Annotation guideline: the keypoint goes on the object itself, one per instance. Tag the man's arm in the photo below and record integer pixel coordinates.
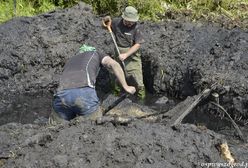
(131, 50)
(115, 66)
(138, 41)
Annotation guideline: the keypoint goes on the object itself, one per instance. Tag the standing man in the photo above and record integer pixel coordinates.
(129, 39)
(76, 94)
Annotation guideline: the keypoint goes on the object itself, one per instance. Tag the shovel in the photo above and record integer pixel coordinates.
(113, 38)
(130, 79)
(115, 103)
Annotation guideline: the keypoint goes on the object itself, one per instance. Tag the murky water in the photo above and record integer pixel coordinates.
(27, 109)
(36, 108)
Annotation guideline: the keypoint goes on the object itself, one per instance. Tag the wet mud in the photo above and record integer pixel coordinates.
(180, 59)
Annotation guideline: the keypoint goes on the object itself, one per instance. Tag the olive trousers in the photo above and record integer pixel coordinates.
(133, 68)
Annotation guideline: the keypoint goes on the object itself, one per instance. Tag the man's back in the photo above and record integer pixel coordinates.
(81, 70)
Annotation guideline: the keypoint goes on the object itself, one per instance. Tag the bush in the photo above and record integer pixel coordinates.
(148, 9)
(11, 8)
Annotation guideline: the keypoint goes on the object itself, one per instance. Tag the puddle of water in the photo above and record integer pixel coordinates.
(160, 102)
(27, 109)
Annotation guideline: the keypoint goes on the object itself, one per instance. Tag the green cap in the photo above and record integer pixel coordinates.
(130, 14)
(85, 48)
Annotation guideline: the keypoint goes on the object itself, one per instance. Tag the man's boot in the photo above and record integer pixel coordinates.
(55, 119)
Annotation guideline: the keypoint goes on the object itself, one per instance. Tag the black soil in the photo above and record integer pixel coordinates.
(180, 59)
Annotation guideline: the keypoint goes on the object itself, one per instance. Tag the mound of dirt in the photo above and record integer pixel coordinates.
(87, 145)
(180, 59)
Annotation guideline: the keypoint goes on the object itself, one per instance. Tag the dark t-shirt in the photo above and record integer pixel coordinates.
(126, 36)
(81, 70)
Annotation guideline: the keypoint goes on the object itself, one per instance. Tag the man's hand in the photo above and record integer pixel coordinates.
(123, 56)
(116, 67)
(130, 89)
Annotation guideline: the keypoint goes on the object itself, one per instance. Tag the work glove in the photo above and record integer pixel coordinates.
(107, 21)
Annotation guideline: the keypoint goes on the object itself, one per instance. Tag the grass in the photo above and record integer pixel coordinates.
(23, 8)
(231, 11)
(234, 10)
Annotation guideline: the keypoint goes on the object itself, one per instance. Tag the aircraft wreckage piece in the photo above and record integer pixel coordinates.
(184, 108)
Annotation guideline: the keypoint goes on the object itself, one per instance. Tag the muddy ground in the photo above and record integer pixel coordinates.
(180, 59)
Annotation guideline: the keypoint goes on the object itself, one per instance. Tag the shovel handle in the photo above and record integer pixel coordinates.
(115, 103)
(108, 25)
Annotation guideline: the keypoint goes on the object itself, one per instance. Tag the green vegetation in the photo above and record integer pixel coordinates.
(11, 8)
(236, 10)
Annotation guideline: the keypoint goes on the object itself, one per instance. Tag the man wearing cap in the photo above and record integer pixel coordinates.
(129, 39)
(76, 94)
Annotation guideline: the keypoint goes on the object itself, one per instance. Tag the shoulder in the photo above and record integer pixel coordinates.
(116, 21)
(137, 26)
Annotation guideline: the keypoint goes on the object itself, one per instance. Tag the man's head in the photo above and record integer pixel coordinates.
(130, 16)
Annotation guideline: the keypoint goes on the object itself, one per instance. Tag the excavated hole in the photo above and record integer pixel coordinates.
(35, 108)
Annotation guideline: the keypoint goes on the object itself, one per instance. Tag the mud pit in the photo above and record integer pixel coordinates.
(180, 59)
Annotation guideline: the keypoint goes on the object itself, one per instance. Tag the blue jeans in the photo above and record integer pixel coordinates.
(70, 103)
